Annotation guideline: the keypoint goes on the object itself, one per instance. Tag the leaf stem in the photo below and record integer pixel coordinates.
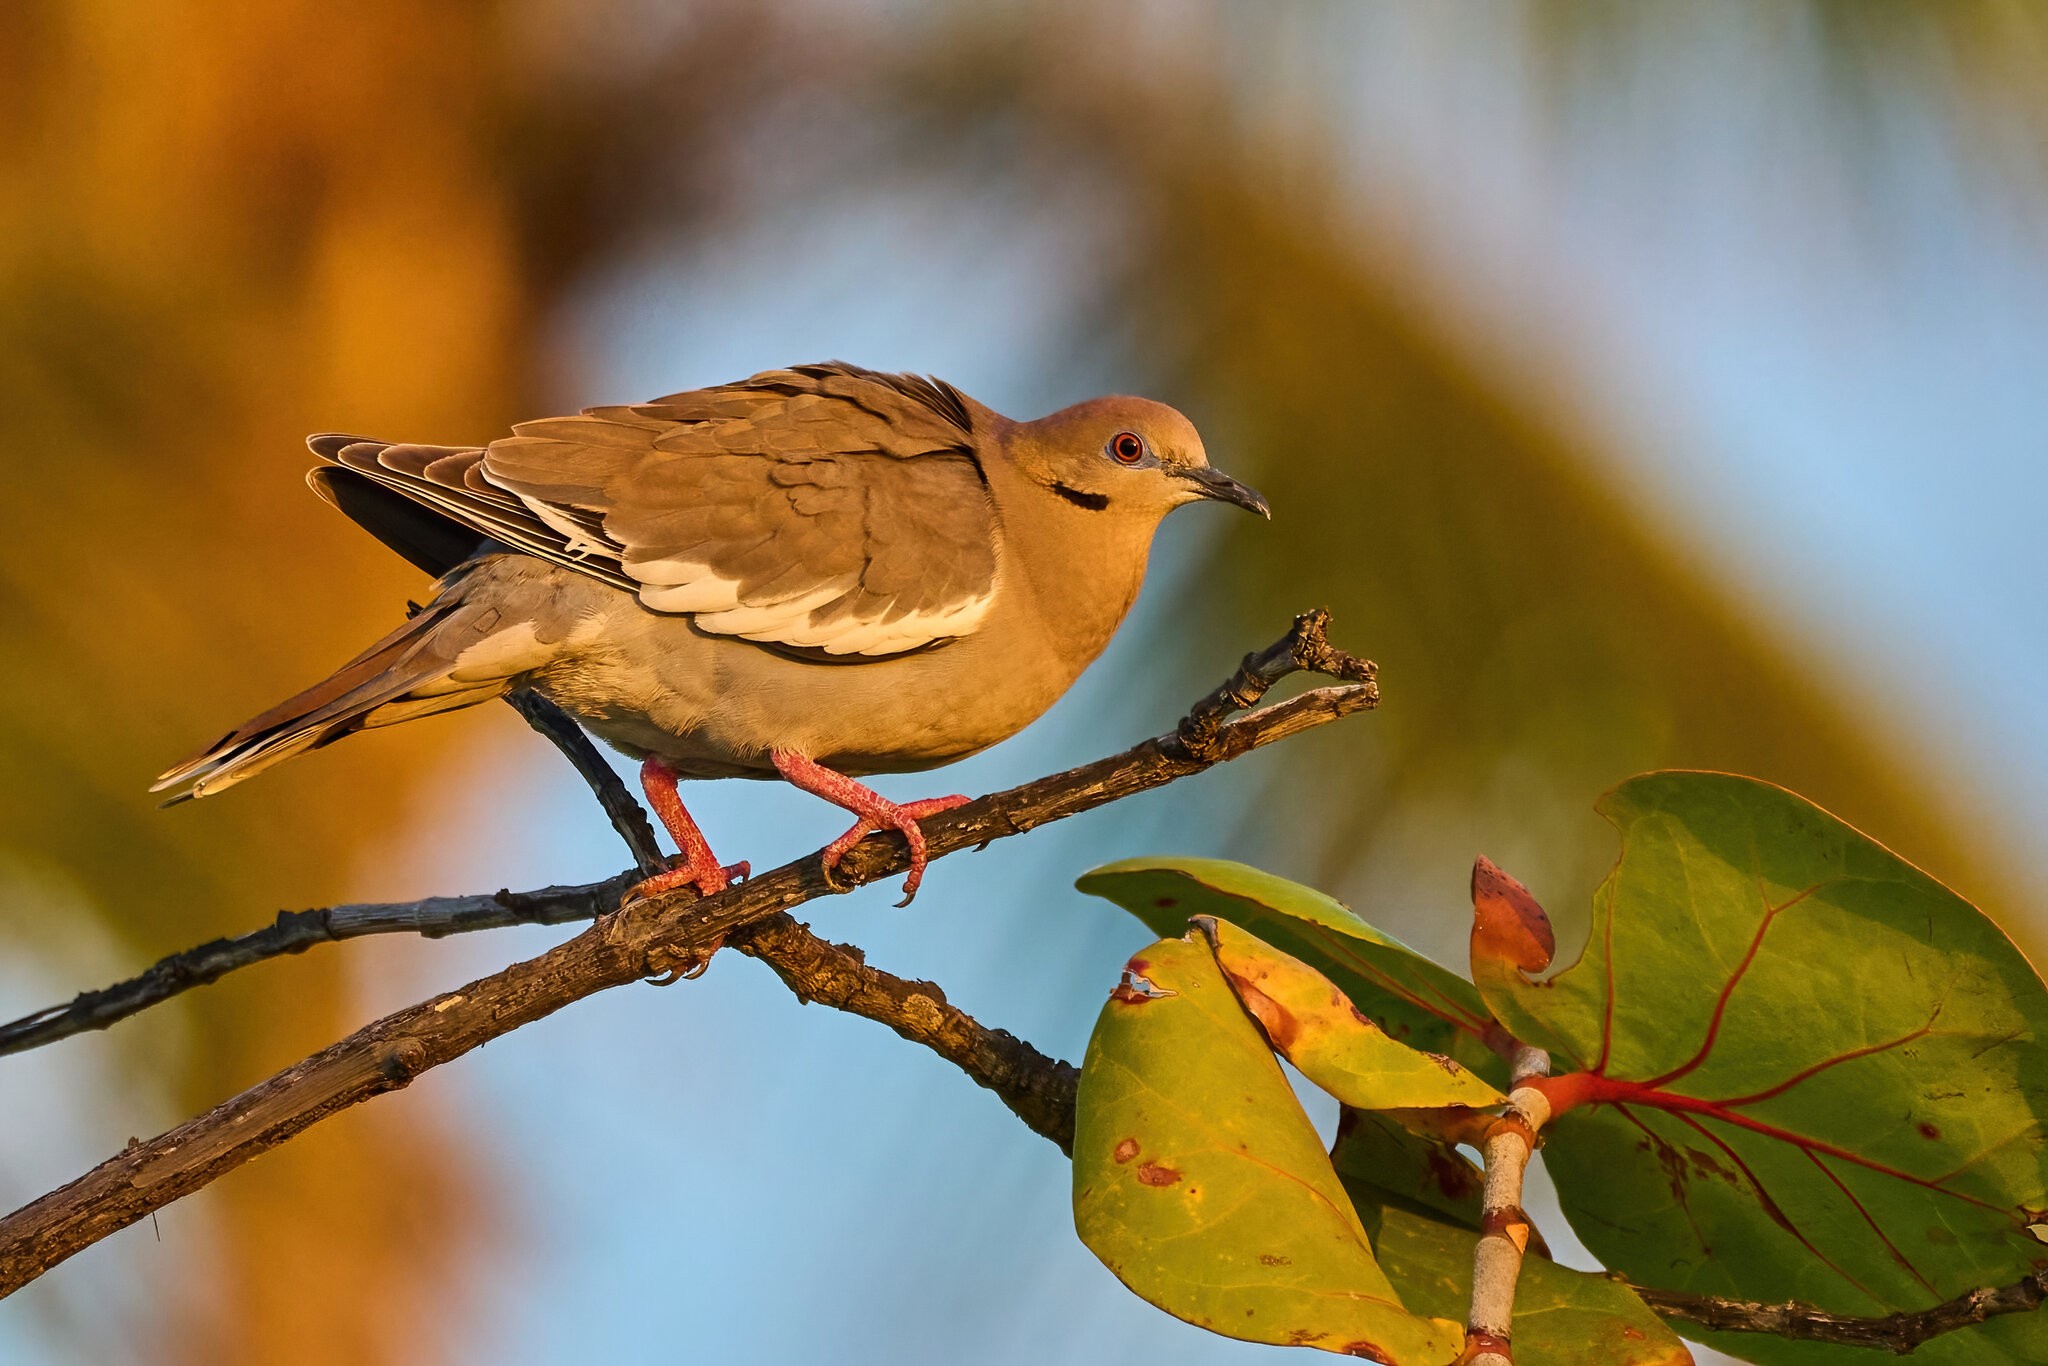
(1504, 1229)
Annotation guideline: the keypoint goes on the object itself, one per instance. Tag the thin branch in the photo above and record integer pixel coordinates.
(627, 816)
(1304, 649)
(1039, 1090)
(1504, 1229)
(647, 938)
(1898, 1333)
(297, 931)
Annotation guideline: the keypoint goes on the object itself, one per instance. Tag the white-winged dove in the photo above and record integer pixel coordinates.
(819, 572)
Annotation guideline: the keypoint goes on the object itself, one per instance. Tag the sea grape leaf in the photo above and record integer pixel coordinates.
(1420, 1202)
(1562, 1317)
(1811, 1072)
(1310, 1023)
(1200, 1183)
(1382, 1163)
(1418, 1002)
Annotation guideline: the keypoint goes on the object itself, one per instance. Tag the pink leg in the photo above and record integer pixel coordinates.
(697, 864)
(875, 812)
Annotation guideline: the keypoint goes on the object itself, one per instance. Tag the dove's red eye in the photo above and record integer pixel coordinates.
(1127, 447)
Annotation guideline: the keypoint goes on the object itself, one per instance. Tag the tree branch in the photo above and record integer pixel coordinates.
(434, 917)
(1039, 1090)
(647, 938)
(1898, 1333)
(1504, 1229)
(1305, 648)
(627, 816)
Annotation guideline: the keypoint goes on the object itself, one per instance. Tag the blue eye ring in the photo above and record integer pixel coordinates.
(1126, 448)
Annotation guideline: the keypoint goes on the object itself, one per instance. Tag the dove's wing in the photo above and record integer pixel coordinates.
(825, 508)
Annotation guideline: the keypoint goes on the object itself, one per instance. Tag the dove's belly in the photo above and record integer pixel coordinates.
(713, 706)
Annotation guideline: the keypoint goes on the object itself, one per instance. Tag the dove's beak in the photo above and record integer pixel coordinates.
(1220, 486)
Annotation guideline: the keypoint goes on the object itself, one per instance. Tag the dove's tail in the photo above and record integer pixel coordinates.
(450, 654)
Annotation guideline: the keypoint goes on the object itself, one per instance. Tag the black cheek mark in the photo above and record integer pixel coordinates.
(1094, 502)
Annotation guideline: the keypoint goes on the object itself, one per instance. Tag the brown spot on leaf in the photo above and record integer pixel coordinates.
(1371, 1351)
(1455, 1178)
(1167, 903)
(1281, 1027)
(1126, 1150)
(1928, 1130)
(1153, 1174)
(1631, 1332)
(1704, 1164)
(1274, 1259)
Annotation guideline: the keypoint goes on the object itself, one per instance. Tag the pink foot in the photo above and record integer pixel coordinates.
(874, 812)
(887, 815)
(694, 865)
(707, 880)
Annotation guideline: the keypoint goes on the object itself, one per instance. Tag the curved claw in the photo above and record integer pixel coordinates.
(671, 966)
(872, 810)
(709, 880)
(887, 815)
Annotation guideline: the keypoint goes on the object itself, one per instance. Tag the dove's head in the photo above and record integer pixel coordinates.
(1129, 457)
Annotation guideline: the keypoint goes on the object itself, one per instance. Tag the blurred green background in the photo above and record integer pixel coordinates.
(1640, 385)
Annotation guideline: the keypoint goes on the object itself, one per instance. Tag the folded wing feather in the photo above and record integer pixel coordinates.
(826, 508)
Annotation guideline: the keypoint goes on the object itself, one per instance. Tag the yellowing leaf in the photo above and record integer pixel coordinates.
(1562, 1317)
(1317, 1029)
(1419, 1002)
(1200, 1183)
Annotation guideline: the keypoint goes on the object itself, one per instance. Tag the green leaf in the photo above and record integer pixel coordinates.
(1200, 1183)
(1562, 1317)
(1415, 1000)
(1311, 1023)
(1381, 1162)
(1814, 1072)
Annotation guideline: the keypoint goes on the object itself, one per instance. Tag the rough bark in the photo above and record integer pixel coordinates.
(651, 938)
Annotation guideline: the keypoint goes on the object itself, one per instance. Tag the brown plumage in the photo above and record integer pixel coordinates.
(815, 572)
(825, 508)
